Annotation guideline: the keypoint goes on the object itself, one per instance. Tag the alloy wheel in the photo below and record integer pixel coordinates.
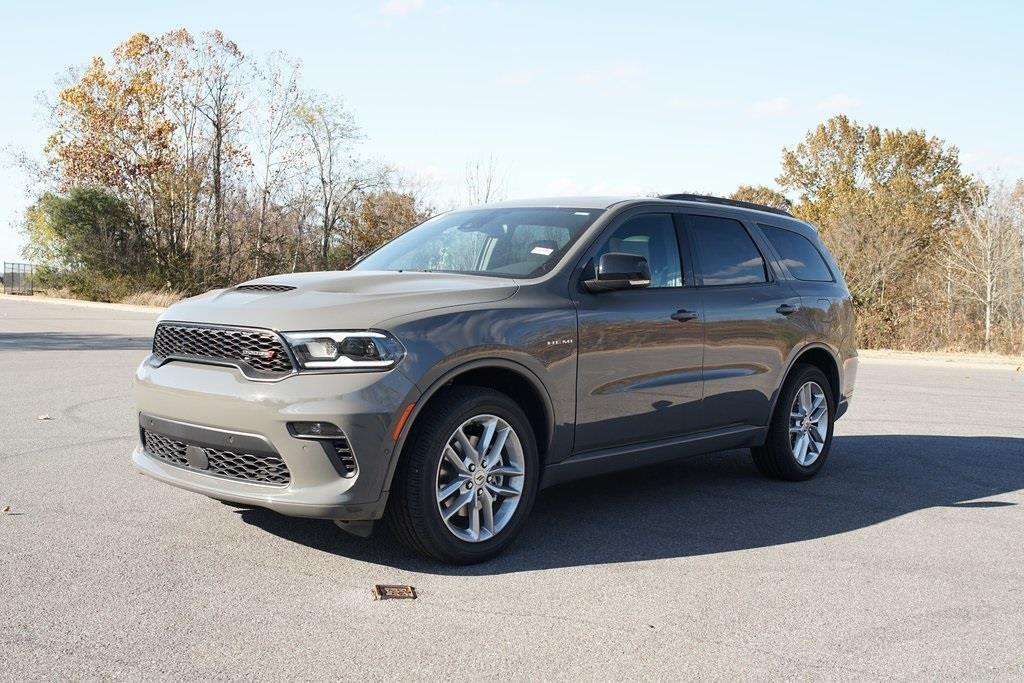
(480, 478)
(808, 424)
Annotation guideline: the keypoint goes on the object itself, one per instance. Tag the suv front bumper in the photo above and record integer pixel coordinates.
(215, 406)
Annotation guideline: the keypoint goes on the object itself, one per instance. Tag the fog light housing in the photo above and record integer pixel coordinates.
(314, 430)
(333, 442)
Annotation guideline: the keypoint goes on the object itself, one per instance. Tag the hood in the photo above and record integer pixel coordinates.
(340, 300)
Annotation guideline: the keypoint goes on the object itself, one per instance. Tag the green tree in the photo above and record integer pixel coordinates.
(89, 242)
(87, 228)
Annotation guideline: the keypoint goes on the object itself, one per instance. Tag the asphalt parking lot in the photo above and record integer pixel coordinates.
(904, 559)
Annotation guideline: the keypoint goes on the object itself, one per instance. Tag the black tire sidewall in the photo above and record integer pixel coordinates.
(782, 452)
(432, 435)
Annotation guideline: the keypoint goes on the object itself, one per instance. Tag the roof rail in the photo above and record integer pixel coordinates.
(708, 199)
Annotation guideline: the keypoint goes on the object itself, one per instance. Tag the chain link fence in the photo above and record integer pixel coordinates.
(18, 278)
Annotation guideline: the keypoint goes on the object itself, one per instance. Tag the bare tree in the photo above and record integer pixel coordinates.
(274, 132)
(485, 182)
(220, 71)
(1017, 200)
(328, 132)
(981, 249)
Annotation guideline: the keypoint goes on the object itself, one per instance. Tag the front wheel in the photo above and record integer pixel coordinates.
(800, 432)
(467, 478)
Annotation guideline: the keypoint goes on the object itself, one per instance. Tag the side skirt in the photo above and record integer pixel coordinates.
(620, 458)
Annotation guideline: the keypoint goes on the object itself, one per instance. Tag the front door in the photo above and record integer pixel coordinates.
(640, 350)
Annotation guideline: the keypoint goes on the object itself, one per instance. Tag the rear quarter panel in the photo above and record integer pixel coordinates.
(828, 311)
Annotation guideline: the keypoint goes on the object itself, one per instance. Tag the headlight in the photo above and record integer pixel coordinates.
(344, 350)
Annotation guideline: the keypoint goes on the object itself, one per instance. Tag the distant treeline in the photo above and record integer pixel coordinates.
(934, 257)
(182, 164)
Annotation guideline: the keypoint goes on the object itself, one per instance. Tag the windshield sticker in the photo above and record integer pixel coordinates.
(541, 251)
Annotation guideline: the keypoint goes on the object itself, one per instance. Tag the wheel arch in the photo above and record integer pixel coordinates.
(506, 376)
(821, 357)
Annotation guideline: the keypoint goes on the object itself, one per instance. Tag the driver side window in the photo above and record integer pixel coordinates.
(653, 236)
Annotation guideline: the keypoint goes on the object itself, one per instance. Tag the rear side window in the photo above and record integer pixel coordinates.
(726, 253)
(799, 255)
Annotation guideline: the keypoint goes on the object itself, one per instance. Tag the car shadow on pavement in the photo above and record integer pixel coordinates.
(70, 341)
(716, 503)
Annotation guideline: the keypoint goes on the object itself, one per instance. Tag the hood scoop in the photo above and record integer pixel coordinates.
(264, 288)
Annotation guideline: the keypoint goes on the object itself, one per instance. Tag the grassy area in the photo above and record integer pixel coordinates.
(162, 298)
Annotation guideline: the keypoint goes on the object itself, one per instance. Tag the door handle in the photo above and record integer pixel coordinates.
(788, 309)
(682, 315)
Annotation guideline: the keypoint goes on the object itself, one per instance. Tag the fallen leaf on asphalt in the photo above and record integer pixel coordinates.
(44, 417)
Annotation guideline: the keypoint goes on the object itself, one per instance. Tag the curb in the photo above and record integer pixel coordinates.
(884, 356)
(82, 303)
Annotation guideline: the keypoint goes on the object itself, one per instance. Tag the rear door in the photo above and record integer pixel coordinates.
(810, 274)
(751, 321)
(639, 363)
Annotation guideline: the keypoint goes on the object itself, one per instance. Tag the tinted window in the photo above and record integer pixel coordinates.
(522, 242)
(652, 236)
(801, 257)
(727, 254)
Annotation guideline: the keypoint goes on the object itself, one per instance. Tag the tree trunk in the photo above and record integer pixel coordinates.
(988, 314)
(218, 199)
(1021, 349)
(325, 243)
(298, 241)
(259, 228)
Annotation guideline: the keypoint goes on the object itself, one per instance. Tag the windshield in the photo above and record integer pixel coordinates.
(520, 242)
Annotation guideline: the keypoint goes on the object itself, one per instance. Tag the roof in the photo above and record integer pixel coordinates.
(559, 202)
(723, 201)
(604, 202)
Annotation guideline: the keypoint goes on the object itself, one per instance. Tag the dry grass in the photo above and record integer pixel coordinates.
(163, 298)
(160, 299)
(57, 293)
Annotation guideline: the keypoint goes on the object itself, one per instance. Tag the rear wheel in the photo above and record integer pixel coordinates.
(468, 477)
(800, 432)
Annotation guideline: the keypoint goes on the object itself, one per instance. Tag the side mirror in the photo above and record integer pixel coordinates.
(619, 271)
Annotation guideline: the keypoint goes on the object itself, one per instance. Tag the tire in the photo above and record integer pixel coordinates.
(416, 510)
(779, 457)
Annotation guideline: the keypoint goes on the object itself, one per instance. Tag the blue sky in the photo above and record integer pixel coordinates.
(579, 97)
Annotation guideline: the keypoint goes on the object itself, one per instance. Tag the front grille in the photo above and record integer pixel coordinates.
(261, 468)
(260, 350)
(264, 288)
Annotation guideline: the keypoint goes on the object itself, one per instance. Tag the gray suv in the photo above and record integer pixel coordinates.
(493, 351)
